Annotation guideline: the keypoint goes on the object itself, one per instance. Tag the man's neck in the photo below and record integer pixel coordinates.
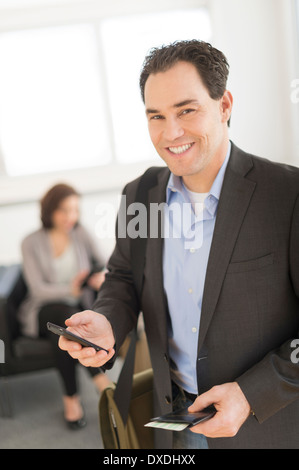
(202, 181)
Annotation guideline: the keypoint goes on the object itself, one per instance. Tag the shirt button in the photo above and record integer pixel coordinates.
(194, 329)
(192, 250)
(190, 290)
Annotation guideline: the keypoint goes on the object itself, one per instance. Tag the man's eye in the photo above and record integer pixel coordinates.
(187, 111)
(156, 117)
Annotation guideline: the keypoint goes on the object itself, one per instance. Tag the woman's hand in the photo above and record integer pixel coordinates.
(96, 280)
(76, 284)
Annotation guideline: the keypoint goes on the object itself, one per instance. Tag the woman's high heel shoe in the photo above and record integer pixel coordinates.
(78, 424)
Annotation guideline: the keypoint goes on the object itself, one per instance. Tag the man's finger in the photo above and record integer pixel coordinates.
(69, 346)
(95, 359)
(80, 318)
(202, 401)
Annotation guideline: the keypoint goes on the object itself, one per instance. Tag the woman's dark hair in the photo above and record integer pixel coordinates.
(51, 200)
(210, 63)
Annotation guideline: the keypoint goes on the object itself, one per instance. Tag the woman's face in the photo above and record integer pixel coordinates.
(66, 215)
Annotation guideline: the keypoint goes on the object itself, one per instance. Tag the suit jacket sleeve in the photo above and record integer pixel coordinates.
(273, 383)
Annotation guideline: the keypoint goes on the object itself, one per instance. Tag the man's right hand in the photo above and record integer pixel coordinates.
(94, 327)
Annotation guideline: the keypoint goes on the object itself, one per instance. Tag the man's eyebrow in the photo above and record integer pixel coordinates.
(185, 102)
(177, 105)
(152, 111)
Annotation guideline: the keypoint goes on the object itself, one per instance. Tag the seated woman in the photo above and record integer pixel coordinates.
(56, 260)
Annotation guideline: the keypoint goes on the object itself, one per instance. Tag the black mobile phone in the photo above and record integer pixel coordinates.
(184, 416)
(59, 330)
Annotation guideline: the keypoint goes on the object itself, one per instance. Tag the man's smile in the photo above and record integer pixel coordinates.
(178, 150)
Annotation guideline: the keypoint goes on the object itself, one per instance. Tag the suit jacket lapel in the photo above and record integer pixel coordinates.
(157, 195)
(233, 203)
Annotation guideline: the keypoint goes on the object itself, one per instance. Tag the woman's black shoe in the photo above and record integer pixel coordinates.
(78, 424)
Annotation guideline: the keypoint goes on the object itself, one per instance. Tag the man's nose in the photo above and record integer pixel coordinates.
(172, 130)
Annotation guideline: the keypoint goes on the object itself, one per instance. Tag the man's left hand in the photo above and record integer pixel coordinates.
(232, 410)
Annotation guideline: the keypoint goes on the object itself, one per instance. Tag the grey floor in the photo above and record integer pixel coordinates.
(37, 421)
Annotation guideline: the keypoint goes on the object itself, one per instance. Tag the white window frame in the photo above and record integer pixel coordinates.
(296, 8)
(41, 13)
(293, 41)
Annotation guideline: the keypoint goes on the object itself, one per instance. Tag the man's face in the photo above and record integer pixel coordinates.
(186, 126)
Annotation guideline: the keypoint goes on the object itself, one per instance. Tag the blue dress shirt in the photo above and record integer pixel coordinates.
(187, 242)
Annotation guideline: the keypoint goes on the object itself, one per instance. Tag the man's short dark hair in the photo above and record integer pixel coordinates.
(210, 63)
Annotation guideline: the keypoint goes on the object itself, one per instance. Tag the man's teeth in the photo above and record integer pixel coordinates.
(178, 150)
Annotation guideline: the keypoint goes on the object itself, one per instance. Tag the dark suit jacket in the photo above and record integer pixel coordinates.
(250, 310)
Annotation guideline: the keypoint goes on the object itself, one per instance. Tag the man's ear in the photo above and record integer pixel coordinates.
(226, 105)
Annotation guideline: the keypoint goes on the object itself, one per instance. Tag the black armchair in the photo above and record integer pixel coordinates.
(21, 354)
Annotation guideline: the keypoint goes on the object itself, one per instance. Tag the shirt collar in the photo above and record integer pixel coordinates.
(175, 183)
(218, 181)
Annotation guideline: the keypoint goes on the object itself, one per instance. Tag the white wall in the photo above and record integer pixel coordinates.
(259, 40)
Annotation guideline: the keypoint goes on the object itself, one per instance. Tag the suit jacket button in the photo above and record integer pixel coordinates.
(168, 399)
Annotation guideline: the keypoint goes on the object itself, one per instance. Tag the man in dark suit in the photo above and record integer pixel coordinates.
(221, 316)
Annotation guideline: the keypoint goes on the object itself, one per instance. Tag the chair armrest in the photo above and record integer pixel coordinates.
(9, 276)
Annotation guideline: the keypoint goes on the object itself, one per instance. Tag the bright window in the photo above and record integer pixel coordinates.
(69, 95)
(51, 101)
(126, 41)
